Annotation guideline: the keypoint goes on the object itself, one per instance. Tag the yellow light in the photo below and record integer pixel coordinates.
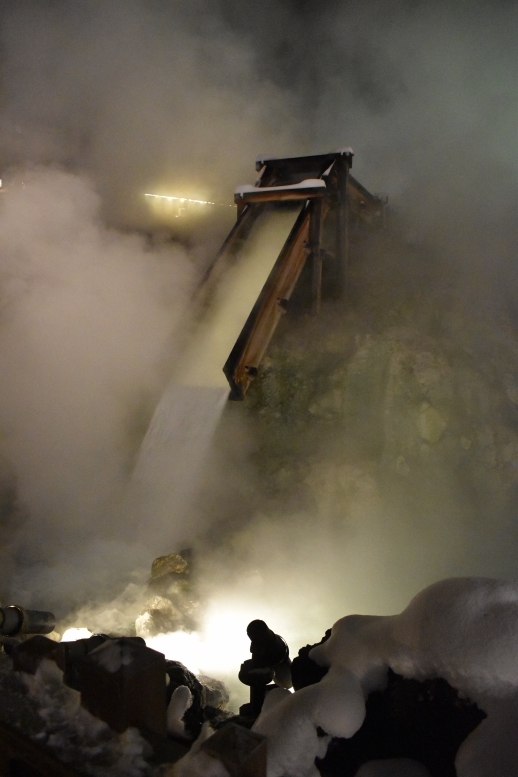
(217, 649)
(71, 635)
(170, 198)
(180, 199)
(221, 644)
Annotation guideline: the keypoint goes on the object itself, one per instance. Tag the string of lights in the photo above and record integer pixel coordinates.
(170, 198)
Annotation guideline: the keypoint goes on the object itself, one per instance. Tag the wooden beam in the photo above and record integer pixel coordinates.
(315, 231)
(244, 360)
(279, 194)
(342, 230)
(301, 164)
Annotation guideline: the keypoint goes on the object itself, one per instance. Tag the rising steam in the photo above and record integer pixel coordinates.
(308, 517)
(86, 340)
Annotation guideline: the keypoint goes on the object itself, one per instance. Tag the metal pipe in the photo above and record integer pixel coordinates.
(16, 620)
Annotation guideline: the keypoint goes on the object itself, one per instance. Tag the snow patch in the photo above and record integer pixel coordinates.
(308, 183)
(290, 721)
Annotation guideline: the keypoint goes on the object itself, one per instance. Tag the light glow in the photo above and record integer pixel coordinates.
(70, 635)
(221, 645)
(218, 649)
(170, 198)
(179, 199)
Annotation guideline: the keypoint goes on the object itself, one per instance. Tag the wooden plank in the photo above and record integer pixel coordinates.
(315, 230)
(243, 362)
(294, 169)
(342, 194)
(342, 232)
(281, 195)
(298, 163)
(365, 206)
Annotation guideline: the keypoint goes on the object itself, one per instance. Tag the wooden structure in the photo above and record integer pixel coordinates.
(329, 198)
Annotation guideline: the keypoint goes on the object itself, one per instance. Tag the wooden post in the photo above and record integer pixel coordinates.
(123, 683)
(315, 230)
(342, 236)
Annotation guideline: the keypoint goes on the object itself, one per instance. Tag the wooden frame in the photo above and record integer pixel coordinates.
(326, 186)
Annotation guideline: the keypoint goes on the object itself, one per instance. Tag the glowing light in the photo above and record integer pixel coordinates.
(170, 198)
(218, 649)
(180, 199)
(187, 648)
(221, 645)
(71, 635)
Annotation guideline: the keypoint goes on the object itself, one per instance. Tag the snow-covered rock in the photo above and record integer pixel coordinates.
(290, 721)
(180, 701)
(464, 630)
(197, 763)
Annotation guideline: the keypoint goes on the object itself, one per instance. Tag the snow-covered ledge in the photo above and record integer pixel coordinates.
(308, 183)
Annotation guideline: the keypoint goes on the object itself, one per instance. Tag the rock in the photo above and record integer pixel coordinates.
(511, 389)
(209, 697)
(328, 405)
(160, 616)
(174, 563)
(28, 655)
(305, 671)
(174, 606)
(214, 693)
(393, 767)
(425, 721)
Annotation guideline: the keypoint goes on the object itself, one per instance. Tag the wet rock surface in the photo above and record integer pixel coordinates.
(397, 407)
(174, 604)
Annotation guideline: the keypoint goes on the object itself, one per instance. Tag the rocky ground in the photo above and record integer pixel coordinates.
(399, 402)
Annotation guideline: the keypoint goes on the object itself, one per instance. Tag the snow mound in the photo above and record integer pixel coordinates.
(290, 720)
(463, 629)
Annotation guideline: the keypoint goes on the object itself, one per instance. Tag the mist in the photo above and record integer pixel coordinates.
(87, 337)
(103, 102)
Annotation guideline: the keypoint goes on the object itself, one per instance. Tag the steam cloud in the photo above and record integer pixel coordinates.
(134, 96)
(87, 321)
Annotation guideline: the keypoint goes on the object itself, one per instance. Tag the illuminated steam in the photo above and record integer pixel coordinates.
(313, 504)
(86, 339)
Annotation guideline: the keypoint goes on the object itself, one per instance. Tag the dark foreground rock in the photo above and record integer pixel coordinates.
(426, 721)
